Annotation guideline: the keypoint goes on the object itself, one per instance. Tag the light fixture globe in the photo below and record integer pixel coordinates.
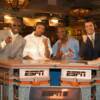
(80, 12)
(17, 4)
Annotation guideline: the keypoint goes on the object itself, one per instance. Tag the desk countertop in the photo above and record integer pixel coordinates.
(17, 64)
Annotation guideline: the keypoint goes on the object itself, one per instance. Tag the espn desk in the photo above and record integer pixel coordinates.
(48, 80)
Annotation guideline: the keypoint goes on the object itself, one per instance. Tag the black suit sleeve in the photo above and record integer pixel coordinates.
(83, 48)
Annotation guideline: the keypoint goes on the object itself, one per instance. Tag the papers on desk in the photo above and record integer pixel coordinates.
(94, 62)
(77, 64)
(83, 62)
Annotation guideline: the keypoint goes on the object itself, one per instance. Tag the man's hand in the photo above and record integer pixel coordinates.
(68, 54)
(45, 41)
(27, 58)
(8, 40)
(59, 52)
(59, 44)
(47, 51)
(84, 38)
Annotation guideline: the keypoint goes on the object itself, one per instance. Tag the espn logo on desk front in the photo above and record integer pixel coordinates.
(34, 74)
(76, 74)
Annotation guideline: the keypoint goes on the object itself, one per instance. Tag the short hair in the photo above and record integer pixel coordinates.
(65, 31)
(61, 26)
(89, 20)
(17, 19)
(40, 23)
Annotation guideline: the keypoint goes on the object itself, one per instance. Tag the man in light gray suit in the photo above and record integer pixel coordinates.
(11, 47)
(11, 42)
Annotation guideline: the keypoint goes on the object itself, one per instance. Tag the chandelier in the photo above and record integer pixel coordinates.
(81, 8)
(17, 4)
(80, 12)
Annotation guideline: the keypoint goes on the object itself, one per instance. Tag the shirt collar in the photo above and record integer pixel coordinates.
(92, 35)
(33, 34)
(13, 35)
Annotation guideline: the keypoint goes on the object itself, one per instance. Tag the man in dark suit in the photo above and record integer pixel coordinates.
(11, 42)
(90, 46)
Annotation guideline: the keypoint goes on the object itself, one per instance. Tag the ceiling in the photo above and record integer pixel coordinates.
(61, 7)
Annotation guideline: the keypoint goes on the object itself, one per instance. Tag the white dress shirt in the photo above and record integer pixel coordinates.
(34, 47)
(91, 37)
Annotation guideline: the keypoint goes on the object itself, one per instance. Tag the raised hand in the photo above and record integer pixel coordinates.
(84, 38)
(69, 54)
(8, 39)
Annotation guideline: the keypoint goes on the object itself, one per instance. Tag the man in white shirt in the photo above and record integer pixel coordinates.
(11, 42)
(37, 45)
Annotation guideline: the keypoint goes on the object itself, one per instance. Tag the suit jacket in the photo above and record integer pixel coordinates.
(13, 50)
(87, 51)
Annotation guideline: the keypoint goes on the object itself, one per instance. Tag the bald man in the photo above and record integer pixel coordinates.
(11, 42)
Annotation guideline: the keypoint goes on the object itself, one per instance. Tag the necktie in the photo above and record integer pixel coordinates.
(92, 40)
